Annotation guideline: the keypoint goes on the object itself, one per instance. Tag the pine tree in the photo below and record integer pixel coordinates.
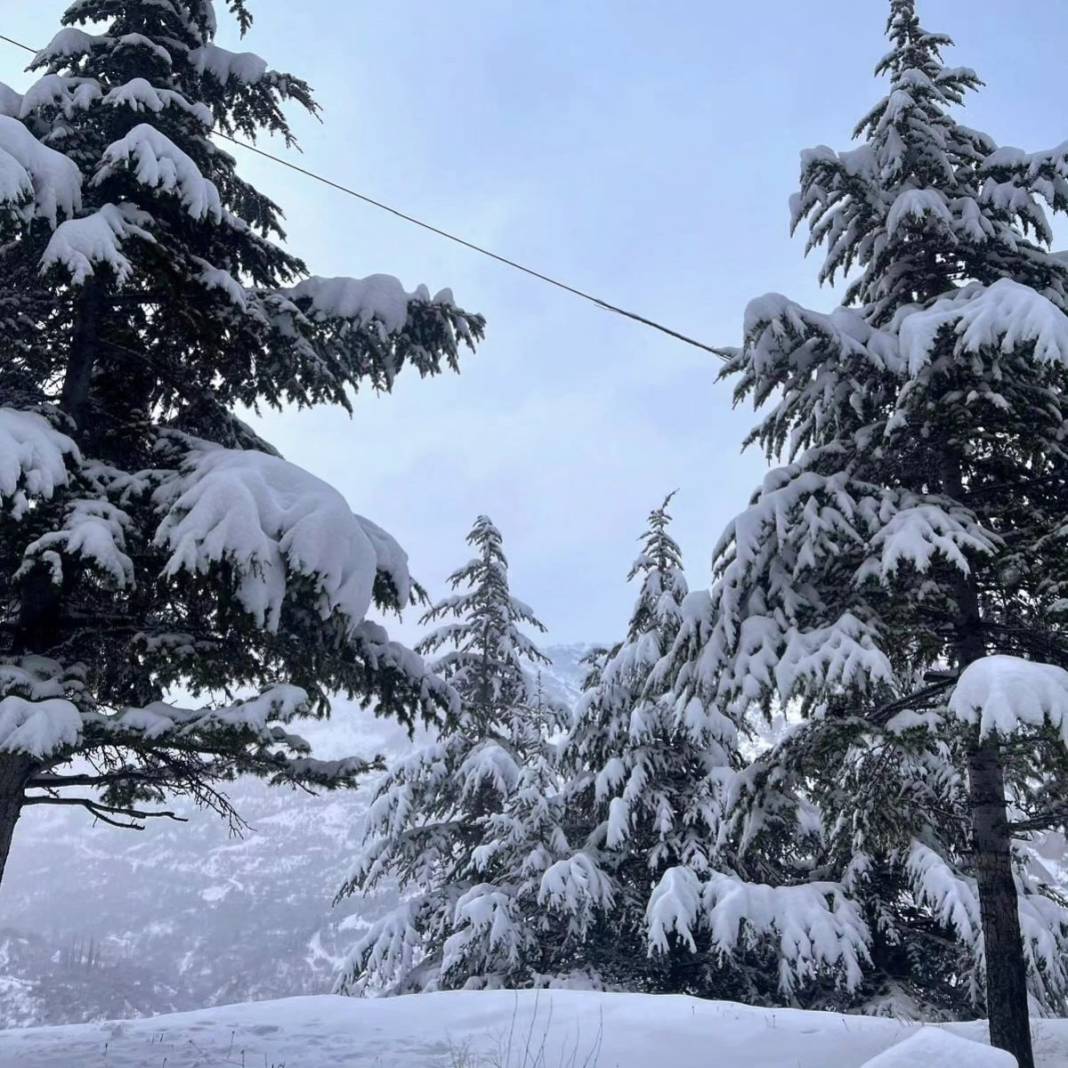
(151, 541)
(638, 782)
(913, 534)
(465, 825)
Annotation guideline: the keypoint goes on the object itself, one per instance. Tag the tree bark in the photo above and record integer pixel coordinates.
(82, 359)
(15, 770)
(999, 905)
(39, 626)
(1006, 968)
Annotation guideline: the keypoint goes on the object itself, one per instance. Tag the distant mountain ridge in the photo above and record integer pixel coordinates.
(99, 923)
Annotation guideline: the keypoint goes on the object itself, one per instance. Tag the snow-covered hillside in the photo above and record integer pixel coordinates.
(99, 923)
(553, 1029)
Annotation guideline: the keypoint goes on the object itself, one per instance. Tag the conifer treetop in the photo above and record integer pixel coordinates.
(915, 207)
(660, 568)
(488, 655)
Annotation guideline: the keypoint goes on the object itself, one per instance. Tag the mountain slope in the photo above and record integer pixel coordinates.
(100, 923)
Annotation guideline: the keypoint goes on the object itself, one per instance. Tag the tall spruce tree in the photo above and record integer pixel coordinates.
(910, 553)
(150, 541)
(467, 824)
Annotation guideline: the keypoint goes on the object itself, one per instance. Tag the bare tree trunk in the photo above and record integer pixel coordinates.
(999, 905)
(1006, 968)
(15, 770)
(82, 359)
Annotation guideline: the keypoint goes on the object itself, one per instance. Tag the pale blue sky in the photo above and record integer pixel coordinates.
(642, 149)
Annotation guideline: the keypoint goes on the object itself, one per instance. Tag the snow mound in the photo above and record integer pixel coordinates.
(505, 1029)
(932, 1048)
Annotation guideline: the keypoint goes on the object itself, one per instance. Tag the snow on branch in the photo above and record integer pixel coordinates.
(36, 678)
(138, 94)
(390, 950)
(1000, 317)
(10, 101)
(1044, 174)
(33, 458)
(94, 531)
(921, 532)
(271, 521)
(78, 245)
(158, 163)
(489, 764)
(486, 932)
(36, 719)
(1005, 693)
(71, 43)
(778, 330)
(156, 721)
(577, 886)
(66, 44)
(39, 728)
(32, 173)
(379, 299)
(919, 205)
(758, 622)
(953, 899)
(66, 94)
(813, 929)
(223, 64)
(247, 735)
(366, 330)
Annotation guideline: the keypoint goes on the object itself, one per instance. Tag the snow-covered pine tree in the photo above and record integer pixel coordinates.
(640, 779)
(466, 825)
(916, 527)
(151, 542)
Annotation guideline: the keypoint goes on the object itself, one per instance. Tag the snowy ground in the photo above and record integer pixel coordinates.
(558, 1029)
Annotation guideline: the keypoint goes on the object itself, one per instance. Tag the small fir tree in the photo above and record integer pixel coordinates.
(151, 541)
(640, 782)
(464, 824)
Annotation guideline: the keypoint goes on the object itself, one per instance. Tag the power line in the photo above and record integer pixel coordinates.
(573, 290)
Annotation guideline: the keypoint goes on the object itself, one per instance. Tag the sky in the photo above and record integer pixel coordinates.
(643, 150)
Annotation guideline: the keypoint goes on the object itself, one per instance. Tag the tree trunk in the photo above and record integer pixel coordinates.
(1006, 968)
(15, 769)
(999, 905)
(74, 399)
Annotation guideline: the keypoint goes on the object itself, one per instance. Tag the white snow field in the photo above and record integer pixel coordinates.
(500, 1029)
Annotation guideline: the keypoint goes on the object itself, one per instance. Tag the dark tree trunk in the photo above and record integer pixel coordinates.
(1006, 968)
(999, 906)
(83, 356)
(40, 599)
(38, 627)
(15, 770)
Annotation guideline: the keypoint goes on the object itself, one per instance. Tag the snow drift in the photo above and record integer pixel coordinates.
(502, 1029)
